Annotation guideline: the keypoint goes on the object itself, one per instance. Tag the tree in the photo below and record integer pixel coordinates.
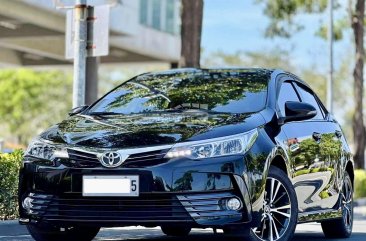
(267, 58)
(191, 29)
(282, 12)
(33, 100)
(359, 132)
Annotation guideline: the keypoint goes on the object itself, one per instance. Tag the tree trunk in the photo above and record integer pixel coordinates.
(192, 13)
(359, 131)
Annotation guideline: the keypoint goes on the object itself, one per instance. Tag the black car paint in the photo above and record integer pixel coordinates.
(278, 144)
(148, 129)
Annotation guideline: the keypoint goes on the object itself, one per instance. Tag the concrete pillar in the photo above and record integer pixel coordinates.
(91, 87)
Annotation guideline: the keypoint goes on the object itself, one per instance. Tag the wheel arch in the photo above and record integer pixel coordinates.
(350, 171)
(279, 158)
(279, 162)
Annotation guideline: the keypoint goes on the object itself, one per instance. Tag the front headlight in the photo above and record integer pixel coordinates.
(229, 145)
(43, 149)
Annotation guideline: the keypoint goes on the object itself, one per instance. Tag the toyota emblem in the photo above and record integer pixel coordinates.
(112, 159)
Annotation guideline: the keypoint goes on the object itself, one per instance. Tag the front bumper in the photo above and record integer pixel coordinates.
(173, 193)
(147, 210)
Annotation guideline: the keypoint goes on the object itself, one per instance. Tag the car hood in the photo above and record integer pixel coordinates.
(127, 131)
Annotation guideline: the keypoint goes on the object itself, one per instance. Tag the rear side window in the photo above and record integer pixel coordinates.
(308, 97)
(287, 93)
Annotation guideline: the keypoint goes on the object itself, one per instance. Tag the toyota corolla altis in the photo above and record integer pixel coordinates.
(250, 151)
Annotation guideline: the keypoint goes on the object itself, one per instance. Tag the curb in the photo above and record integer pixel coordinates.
(9, 222)
(359, 202)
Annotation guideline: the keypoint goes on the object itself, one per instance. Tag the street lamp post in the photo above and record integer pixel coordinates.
(331, 65)
(80, 52)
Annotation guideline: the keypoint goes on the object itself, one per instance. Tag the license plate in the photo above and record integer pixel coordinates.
(111, 186)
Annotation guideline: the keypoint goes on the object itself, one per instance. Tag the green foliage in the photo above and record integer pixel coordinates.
(324, 195)
(110, 77)
(302, 172)
(189, 88)
(308, 152)
(9, 169)
(281, 9)
(282, 14)
(339, 26)
(360, 184)
(33, 100)
(313, 170)
(313, 75)
(311, 156)
(269, 58)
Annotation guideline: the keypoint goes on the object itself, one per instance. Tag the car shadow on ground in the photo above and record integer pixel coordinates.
(356, 236)
(156, 235)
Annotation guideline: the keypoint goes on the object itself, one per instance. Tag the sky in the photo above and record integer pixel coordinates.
(239, 25)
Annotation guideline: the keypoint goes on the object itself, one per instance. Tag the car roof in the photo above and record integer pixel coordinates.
(271, 73)
(213, 70)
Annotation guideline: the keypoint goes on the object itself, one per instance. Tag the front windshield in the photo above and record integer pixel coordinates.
(241, 91)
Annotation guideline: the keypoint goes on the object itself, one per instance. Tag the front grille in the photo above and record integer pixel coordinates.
(152, 208)
(82, 159)
(146, 159)
(79, 158)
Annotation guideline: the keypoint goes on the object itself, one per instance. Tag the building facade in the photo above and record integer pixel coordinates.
(32, 32)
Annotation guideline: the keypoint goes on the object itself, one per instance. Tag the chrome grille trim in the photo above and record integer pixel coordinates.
(129, 151)
(137, 157)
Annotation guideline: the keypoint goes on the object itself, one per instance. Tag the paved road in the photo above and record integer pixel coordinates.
(11, 231)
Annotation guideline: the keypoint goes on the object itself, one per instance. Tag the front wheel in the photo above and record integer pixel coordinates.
(41, 232)
(342, 228)
(280, 209)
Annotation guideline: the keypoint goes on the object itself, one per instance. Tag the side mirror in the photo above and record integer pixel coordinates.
(78, 110)
(298, 111)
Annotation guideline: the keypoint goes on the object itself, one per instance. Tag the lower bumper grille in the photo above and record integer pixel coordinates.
(153, 209)
(144, 209)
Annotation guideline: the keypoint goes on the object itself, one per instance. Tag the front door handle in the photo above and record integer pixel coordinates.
(338, 133)
(317, 136)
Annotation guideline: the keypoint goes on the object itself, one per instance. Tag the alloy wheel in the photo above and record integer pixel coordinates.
(276, 211)
(347, 204)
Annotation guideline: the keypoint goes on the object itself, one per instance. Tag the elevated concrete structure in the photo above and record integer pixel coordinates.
(32, 32)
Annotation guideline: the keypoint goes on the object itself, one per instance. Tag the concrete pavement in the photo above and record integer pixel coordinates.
(11, 231)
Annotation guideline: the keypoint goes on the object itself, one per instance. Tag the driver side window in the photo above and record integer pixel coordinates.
(287, 93)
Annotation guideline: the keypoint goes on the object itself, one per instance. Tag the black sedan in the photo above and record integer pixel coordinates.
(251, 151)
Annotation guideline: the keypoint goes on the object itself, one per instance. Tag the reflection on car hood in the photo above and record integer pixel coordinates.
(124, 131)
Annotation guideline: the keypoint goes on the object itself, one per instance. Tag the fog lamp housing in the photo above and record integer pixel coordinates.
(27, 203)
(233, 204)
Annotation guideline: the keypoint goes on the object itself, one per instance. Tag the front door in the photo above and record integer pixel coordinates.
(328, 157)
(310, 146)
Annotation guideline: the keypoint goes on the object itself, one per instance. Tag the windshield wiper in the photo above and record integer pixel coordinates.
(152, 90)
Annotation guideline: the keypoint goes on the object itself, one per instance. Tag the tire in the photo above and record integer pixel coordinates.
(41, 232)
(175, 231)
(279, 207)
(342, 227)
